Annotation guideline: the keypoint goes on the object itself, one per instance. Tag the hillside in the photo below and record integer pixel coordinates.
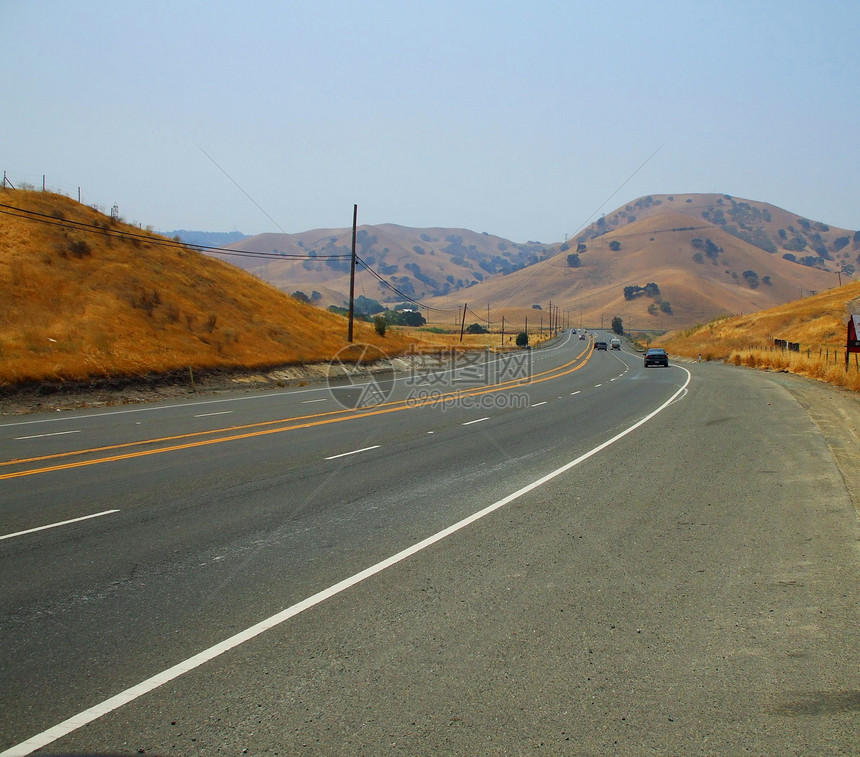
(420, 263)
(702, 268)
(816, 324)
(85, 297)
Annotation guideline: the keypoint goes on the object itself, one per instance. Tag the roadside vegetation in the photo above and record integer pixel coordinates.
(815, 327)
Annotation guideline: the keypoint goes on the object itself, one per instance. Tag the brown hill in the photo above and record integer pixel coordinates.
(817, 325)
(418, 263)
(86, 296)
(701, 268)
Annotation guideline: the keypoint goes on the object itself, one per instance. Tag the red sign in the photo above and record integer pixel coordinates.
(853, 343)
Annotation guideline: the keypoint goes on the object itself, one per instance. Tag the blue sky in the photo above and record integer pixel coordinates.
(519, 119)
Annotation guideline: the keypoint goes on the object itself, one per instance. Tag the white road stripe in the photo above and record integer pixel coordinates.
(39, 436)
(538, 404)
(576, 392)
(308, 402)
(220, 412)
(354, 452)
(159, 679)
(58, 523)
(479, 420)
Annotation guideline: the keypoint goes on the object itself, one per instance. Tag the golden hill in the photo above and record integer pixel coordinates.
(420, 263)
(85, 297)
(702, 268)
(816, 324)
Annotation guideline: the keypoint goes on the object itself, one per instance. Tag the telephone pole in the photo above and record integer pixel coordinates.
(352, 275)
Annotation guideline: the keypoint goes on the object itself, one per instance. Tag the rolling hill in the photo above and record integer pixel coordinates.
(707, 254)
(419, 263)
(85, 296)
(702, 266)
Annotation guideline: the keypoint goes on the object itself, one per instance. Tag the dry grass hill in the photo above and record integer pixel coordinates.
(420, 263)
(817, 325)
(84, 296)
(707, 255)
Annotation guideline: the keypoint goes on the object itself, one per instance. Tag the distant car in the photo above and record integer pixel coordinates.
(600, 345)
(615, 344)
(656, 356)
(582, 336)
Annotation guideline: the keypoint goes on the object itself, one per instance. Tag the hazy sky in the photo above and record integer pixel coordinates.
(516, 118)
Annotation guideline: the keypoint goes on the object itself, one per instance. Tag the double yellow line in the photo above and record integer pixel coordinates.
(236, 433)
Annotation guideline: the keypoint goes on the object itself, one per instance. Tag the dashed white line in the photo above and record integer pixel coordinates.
(308, 402)
(469, 423)
(39, 436)
(596, 385)
(538, 404)
(59, 523)
(353, 452)
(578, 391)
(220, 412)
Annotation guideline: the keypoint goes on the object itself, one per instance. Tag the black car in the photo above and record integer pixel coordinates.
(600, 345)
(656, 356)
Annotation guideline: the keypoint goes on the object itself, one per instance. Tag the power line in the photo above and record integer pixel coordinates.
(32, 215)
(397, 291)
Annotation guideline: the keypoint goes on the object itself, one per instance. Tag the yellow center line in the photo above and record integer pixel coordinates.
(304, 421)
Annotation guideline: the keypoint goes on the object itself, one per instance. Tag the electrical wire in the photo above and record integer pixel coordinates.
(32, 215)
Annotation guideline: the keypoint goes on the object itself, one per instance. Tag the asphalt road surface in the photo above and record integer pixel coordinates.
(603, 559)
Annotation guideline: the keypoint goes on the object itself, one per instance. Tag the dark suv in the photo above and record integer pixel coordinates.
(656, 356)
(600, 345)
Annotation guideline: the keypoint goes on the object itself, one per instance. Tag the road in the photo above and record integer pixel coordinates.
(602, 560)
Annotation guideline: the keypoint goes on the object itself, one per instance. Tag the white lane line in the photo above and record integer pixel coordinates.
(220, 412)
(578, 391)
(39, 436)
(308, 402)
(538, 404)
(596, 385)
(59, 523)
(467, 423)
(354, 452)
(159, 679)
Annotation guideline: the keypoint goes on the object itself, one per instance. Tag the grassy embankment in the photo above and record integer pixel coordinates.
(84, 297)
(817, 323)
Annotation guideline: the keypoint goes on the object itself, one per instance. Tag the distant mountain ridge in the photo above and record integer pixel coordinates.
(205, 238)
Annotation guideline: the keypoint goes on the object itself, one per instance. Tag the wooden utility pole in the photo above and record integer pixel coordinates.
(352, 275)
(503, 331)
(463, 323)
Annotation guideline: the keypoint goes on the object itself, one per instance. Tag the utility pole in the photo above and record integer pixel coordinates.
(352, 275)
(550, 318)
(503, 331)
(463, 324)
(488, 316)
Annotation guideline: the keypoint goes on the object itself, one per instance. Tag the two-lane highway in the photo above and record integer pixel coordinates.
(287, 510)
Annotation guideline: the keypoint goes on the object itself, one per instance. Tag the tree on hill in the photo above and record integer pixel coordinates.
(573, 260)
(476, 328)
(615, 245)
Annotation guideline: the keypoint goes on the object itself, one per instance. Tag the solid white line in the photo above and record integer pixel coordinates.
(39, 436)
(220, 412)
(354, 452)
(159, 679)
(479, 420)
(59, 523)
(538, 404)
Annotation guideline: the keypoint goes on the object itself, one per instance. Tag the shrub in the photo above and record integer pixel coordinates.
(476, 328)
(379, 324)
(522, 339)
(615, 245)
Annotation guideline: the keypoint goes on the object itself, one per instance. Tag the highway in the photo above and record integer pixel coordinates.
(569, 553)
